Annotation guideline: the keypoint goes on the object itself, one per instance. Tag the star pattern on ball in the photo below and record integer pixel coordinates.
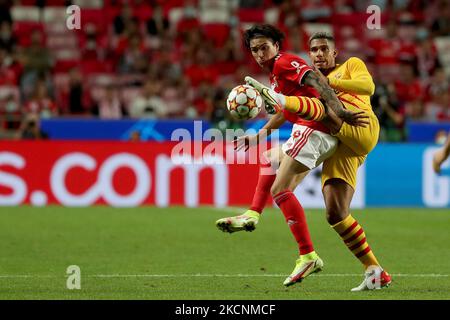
(233, 105)
(241, 89)
(251, 103)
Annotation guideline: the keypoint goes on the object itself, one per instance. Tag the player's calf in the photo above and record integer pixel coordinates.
(305, 107)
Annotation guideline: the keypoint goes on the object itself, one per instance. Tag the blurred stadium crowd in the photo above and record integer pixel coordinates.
(179, 58)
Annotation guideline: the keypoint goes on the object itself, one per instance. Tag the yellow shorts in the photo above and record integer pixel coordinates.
(355, 144)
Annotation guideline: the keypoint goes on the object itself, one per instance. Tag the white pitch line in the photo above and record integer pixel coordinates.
(430, 275)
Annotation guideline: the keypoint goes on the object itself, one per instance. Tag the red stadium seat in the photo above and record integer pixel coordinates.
(65, 65)
(217, 33)
(143, 12)
(94, 66)
(96, 17)
(251, 15)
(55, 3)
(22, 30)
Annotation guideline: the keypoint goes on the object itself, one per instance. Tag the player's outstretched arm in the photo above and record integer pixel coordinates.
(360, 81)
(332, 101)
(244, 142)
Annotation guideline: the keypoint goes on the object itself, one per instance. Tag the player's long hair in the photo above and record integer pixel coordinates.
(263, 30)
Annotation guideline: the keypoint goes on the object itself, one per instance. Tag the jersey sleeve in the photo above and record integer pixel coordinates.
(291, 69)
(361, 81)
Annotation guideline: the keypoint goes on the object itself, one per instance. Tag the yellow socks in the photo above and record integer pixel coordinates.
(354, 237)
(307, 108)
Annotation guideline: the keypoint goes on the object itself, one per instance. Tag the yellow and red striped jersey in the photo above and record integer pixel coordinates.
(353, 83)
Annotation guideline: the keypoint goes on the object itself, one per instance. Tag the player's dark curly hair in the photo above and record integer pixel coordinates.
(321, 35)
(263, 30)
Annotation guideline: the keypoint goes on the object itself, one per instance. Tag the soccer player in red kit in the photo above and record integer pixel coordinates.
(309, 145)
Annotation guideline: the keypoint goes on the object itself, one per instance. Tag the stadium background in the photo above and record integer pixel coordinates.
(137, 70)
(85, 121)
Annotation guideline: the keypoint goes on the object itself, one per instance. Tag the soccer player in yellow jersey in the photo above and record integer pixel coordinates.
(353, 85)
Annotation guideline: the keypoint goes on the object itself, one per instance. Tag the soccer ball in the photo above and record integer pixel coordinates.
(244, 102)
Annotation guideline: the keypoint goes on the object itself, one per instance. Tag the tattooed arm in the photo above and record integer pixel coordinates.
(331, 101)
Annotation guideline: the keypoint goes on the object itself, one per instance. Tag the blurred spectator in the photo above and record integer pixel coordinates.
(439, 84)
(441, 137)
(123, 42)
(37, 57)
(91, 49)
(230, 56)
(10, 113)
(79, 98)
(441, 25)
(7, 39)
(202, 70)
(164, 61)
(193, 41)
(9, 69)
(297, 41)
(415, 111)
(37, 64)
(123, 19)
(438, 109)
(203, 100)
(175, 95)
(158, 25)
(427, 58)
(5, 13)
(188, 22)
(191, 63)
(31, 129)
(149, 104)
(135, 136)
(41, 104)
(407, 86)
(134, 59)
(384, 50)
(109, 106)
(390, 113)
(288, 11)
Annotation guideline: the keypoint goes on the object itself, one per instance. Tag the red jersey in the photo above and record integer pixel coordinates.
(286, 78)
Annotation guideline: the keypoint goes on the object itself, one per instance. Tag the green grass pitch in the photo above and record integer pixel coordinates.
(177, 253)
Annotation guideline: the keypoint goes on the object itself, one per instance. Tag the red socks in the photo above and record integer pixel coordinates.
(295, 218)
(262, 193)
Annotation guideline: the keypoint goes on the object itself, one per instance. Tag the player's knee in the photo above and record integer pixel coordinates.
(277, 188)
(274, 190)
(336, 213)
